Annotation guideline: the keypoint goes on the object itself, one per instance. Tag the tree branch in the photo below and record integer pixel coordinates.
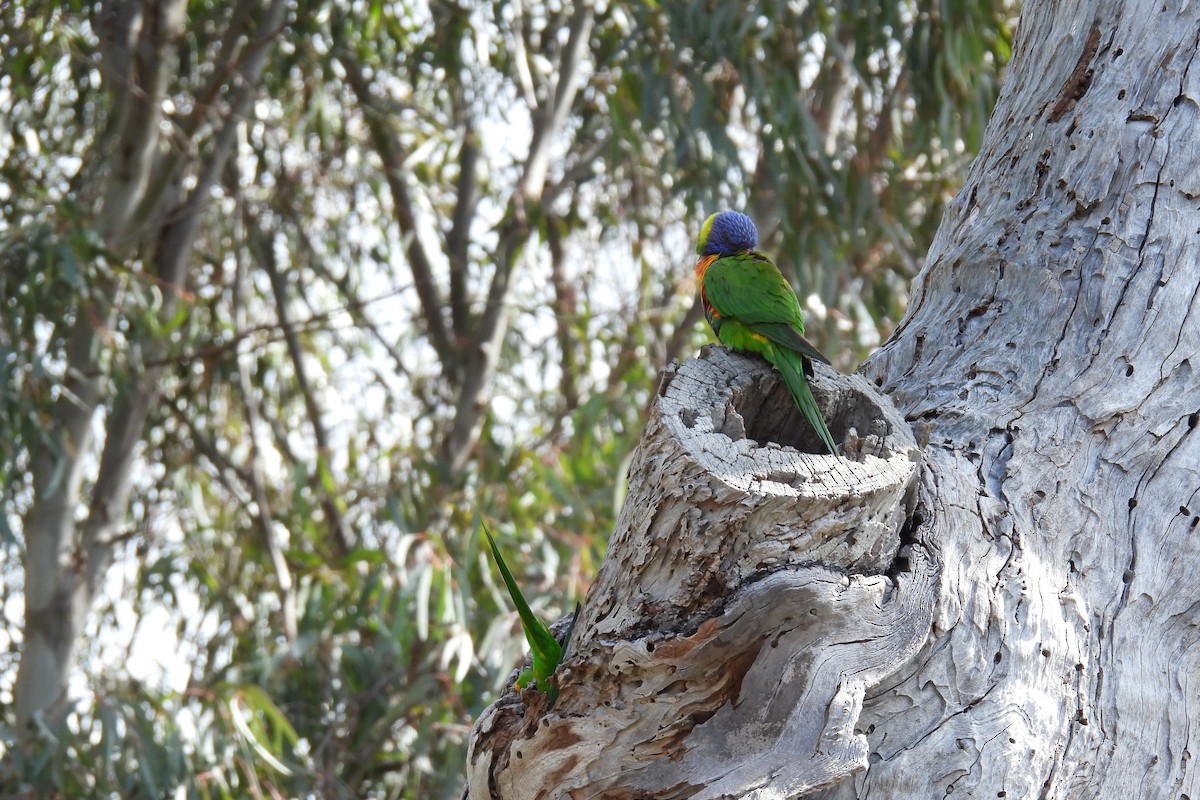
(520, 57)
(575, 173)
(257, 479)
(390, 153)
(564, 313)
(486, 342)
(134, 41)
(169, 160)
(329, 503)
(484, 354)
(459, 238)
(225, 63)
(180, 233)
(551, 116)
(221, 462)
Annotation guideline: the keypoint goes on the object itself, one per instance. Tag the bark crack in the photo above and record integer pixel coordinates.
(1057, 349)
(966, 709)
(1150, 217)
(1187, 315)
(1080, 79)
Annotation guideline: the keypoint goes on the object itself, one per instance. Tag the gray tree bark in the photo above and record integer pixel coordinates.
(143, 214)
(1046, 356)
(752, 593)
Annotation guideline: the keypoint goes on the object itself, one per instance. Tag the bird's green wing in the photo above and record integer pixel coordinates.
(749, 288)
(547, 652)
(786, 335)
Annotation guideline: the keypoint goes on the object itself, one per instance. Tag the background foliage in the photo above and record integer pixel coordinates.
(434, 278)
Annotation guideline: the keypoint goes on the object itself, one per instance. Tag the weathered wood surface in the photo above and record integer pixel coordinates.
(750, 597)
(1047, 356)
(1048, 350)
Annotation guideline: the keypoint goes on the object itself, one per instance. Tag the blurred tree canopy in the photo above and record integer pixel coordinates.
(294, 292)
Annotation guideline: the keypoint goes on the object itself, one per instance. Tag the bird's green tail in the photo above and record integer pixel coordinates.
(791, 366)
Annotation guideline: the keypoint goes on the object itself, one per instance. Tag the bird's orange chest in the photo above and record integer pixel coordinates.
(702, 267)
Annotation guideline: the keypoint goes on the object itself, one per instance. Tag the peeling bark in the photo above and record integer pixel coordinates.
(751, 596)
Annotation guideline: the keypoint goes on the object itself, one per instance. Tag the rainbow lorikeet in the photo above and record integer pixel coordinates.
(751, 307)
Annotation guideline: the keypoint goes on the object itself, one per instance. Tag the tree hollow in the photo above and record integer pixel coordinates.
(750, 596)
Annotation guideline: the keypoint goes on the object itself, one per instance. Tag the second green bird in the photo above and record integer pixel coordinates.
(751, 307)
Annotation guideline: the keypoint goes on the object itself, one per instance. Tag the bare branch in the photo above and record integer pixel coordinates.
(459, 238)
(257, 479)
(550, 118)
(318, 321)
(390, 153)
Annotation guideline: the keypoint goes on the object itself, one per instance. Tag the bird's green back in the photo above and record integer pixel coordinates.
(750, 288)
(750, 291)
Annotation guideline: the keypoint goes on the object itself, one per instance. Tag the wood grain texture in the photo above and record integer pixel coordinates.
(750, 597)
(1046, 354)
(1047, 351)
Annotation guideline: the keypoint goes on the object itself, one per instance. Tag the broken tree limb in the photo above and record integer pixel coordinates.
(750, 597)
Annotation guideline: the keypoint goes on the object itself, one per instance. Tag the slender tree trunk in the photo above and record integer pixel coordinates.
(1046, 360)
(139, 216)
(63, 563)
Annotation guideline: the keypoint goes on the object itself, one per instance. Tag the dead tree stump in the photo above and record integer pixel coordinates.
(752, 593)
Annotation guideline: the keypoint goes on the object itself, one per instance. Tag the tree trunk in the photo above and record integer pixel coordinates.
(66, 561)
(1047, 347)
(1046, 358)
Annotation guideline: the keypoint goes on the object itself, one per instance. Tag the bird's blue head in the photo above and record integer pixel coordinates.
(727, 232)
